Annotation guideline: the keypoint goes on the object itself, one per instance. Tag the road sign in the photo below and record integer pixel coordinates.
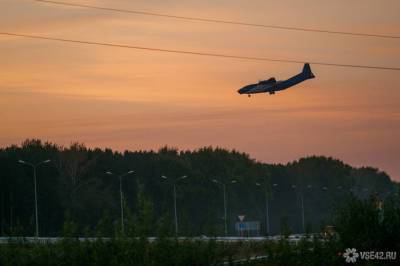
(241, 217)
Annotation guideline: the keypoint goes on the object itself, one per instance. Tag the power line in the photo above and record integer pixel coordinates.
(222, 21)
(195, 52)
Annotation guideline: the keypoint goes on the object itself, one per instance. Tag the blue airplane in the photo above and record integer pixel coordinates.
(271, 85)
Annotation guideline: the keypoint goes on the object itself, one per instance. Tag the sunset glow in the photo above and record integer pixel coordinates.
(133, 99)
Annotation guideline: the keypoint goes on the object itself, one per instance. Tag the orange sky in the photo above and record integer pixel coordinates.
(128, 99)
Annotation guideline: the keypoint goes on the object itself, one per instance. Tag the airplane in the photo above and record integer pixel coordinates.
(271, 85)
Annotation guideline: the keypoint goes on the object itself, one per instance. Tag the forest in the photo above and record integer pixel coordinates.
(78, 190)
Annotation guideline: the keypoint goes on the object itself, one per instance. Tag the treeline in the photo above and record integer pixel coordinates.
(75, 191)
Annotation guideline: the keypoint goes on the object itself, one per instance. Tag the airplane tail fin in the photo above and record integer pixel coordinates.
(307, 71)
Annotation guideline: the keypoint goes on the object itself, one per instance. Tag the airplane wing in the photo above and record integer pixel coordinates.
(268, 81)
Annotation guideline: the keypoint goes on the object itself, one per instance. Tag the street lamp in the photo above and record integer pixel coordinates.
(121, 194)
(175, 211)
(266, 205)
(34, 166)
(302, 205)
(224, 190)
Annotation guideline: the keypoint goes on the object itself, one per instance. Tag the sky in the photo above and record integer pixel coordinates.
(133, 99)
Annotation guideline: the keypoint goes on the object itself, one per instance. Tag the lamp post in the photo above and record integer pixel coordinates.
(175, 211)
(266, 206)
(225, 207)
(34, 166)
(302, 205)
(121, 196)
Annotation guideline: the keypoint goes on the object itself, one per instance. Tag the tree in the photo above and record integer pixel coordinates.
(369, 224)
(144, 216)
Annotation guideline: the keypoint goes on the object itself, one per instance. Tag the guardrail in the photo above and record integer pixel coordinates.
(51, 240)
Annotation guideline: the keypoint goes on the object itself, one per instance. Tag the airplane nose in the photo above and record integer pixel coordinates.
(245, 89)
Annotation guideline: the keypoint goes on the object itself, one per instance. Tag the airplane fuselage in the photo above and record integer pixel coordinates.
(272, 87)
